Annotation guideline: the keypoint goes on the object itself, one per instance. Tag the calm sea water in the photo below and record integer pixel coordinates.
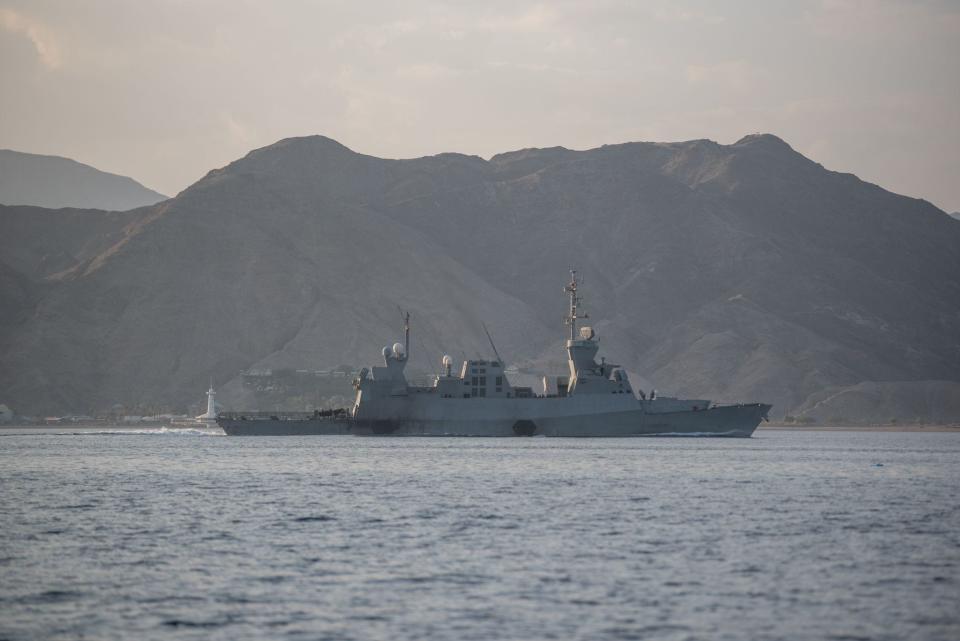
(789, 535)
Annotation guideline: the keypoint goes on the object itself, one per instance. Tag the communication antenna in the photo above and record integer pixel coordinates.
(496, 353)
(406, 332)
(423, 348)
(575, 301)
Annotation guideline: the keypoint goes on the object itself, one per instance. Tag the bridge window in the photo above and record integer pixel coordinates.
(499, 380)
(483, 381)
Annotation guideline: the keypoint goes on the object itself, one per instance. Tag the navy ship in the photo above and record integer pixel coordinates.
(593, 400)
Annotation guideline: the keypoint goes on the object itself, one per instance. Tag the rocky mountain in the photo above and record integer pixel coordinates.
(738, 272)
(879, 403)
(54, 182)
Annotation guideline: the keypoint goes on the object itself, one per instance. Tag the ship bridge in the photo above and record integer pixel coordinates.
(587, 376)
(476, 379)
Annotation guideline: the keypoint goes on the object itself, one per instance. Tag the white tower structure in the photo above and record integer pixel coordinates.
(211, 414)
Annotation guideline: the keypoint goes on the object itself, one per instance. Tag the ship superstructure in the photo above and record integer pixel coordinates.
(593, 399)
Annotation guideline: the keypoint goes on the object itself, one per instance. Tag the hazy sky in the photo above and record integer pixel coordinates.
(163, 91)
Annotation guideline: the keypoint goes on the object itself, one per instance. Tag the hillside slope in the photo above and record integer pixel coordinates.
(741, 272)
(54, 182)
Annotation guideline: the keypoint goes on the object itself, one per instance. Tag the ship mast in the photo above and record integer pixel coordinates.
(575, 301)
(406, 336)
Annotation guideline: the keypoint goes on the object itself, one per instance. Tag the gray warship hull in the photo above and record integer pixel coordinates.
(595, 400)
(246, 425)
(284, 424)
(718, 421)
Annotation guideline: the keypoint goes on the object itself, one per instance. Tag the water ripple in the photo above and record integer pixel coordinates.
(162, 535)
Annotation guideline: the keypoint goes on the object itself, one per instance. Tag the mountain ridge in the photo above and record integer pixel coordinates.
(55, 182)
(740, 272)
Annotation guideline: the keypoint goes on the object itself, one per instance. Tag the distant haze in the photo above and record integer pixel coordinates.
(49, 181)
(164, 91)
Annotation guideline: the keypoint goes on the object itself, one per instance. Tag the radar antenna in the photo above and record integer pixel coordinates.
(575, 302)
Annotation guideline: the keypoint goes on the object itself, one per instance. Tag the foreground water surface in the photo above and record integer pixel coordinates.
(166, 534)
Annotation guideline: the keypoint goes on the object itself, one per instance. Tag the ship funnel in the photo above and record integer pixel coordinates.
(447, 363)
